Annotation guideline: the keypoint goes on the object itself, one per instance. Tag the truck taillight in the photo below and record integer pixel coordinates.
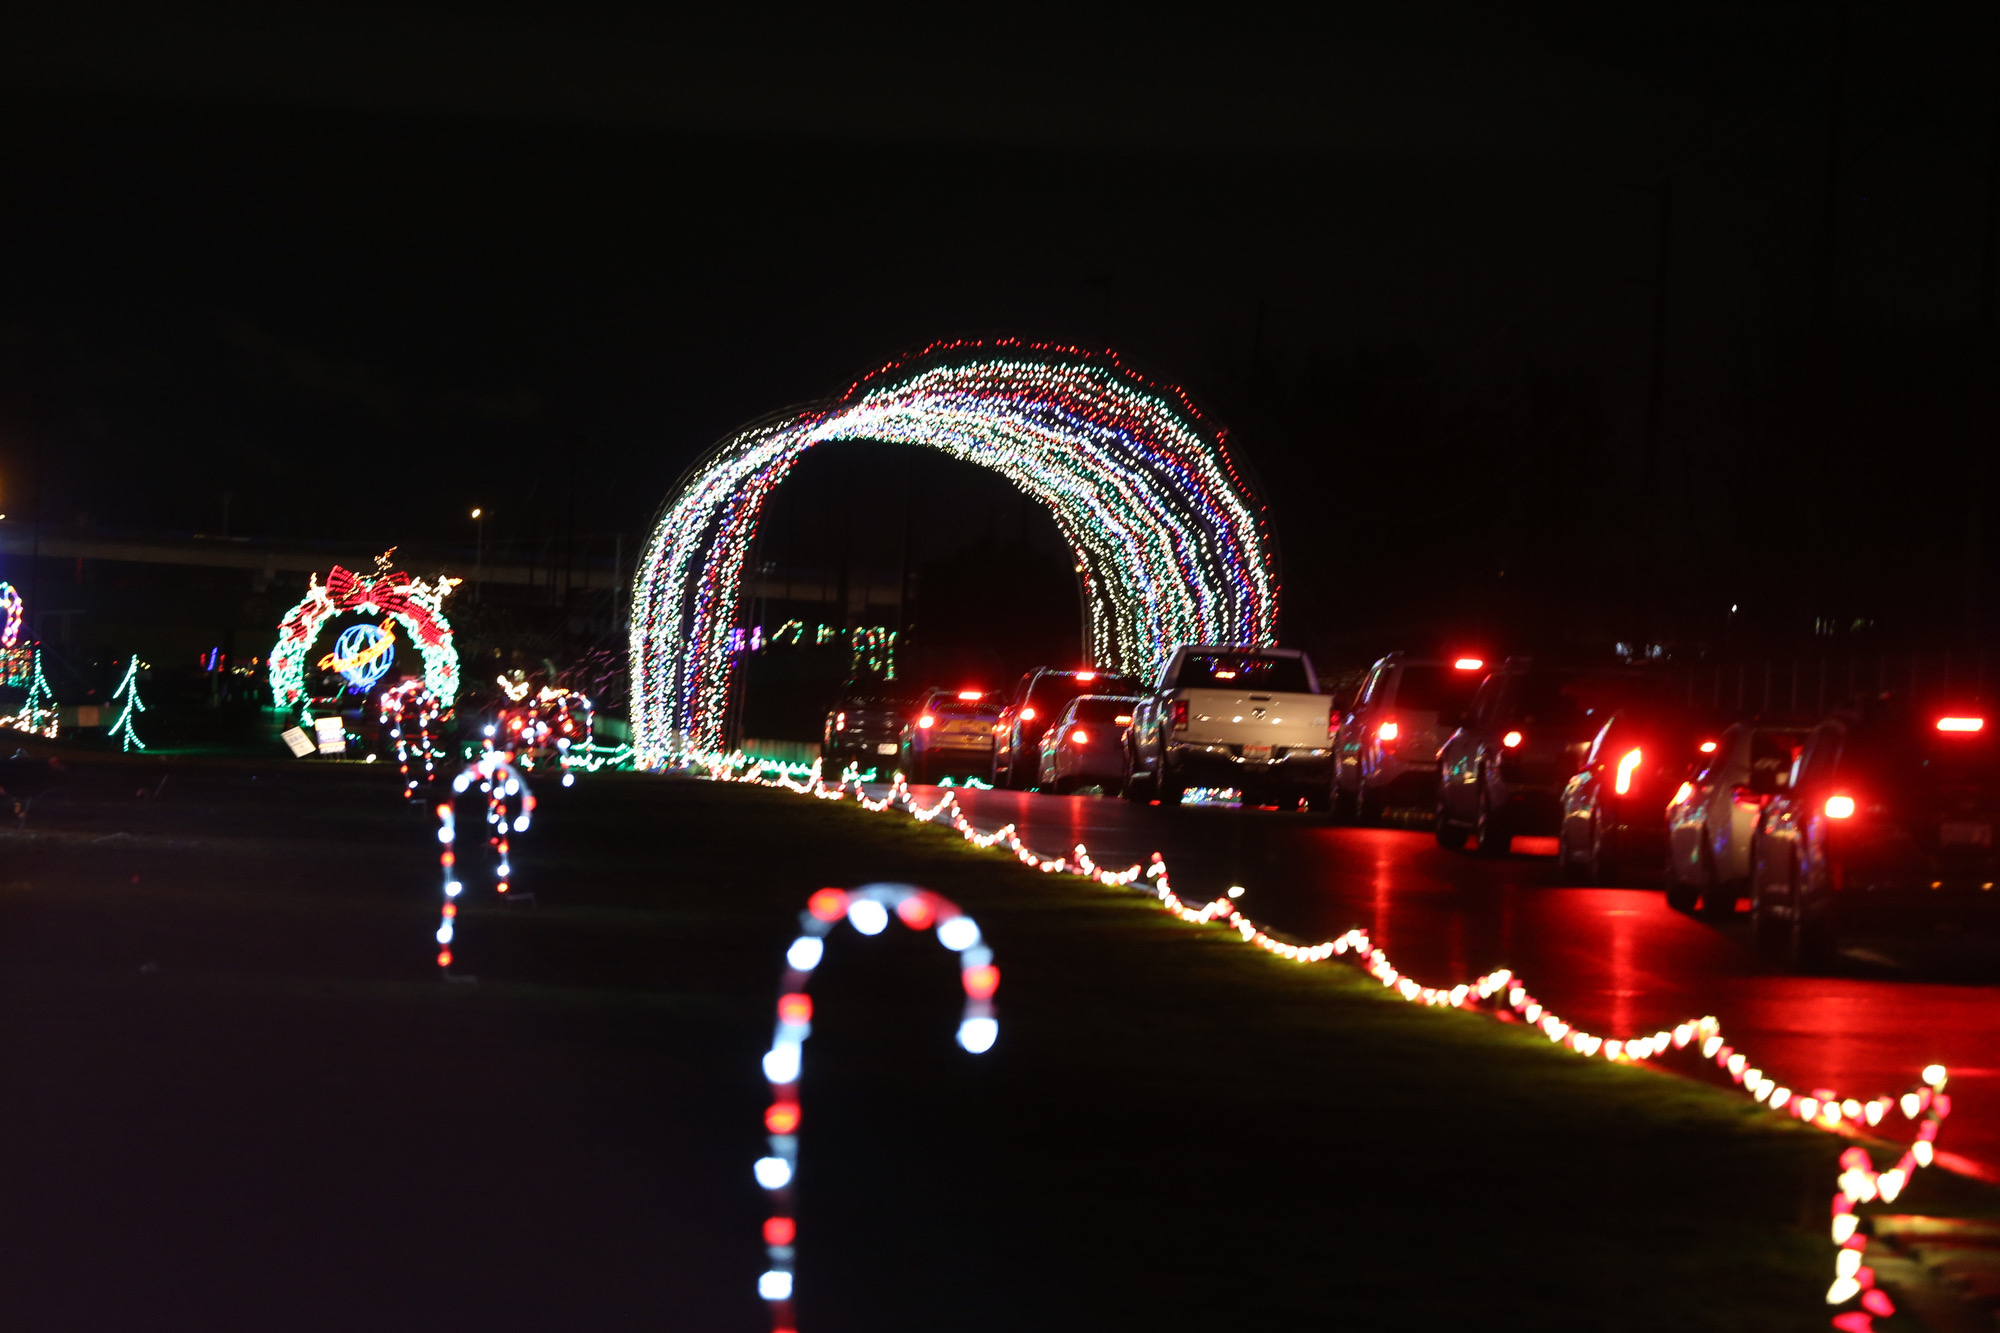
(1839, 807)
(1180, 715)
(1626, 764)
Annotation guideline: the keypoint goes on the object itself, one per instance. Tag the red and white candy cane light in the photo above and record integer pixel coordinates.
(869, 910)
(410, 712)
(1496, 992)
(509, 808)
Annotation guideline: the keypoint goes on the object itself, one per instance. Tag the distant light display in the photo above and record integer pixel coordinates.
(11, 611)
(1167, 536)
(362, 655)
(38, 714)
(410, 712)
(869, 910)
(410, 602)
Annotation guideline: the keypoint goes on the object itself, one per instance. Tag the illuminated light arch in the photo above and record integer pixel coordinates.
(1167, 533)
(414, 604)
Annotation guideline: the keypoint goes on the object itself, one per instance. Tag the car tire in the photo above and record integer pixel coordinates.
(1172, 790)
(1567, 869)
(1318, 802)
(1063, 786)
(1450, 836)
(1718, 900)
(1682, 896)
(1138, 786)
(1600, 869)
(1489, 830)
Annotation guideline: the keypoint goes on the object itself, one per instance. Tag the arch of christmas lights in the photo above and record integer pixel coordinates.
(1168, 535)
(414, 604)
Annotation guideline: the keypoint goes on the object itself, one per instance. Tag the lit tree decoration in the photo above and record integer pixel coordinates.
(38, 715)
(1168, 536)
(128, 690)
(414, 604)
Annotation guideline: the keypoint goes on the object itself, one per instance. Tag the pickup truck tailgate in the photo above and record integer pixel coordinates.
(1228, 717)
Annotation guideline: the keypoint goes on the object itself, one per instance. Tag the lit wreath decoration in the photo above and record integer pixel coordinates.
(416, 605)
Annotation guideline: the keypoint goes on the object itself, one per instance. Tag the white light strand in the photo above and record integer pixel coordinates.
(505, 790)
(1500, 993)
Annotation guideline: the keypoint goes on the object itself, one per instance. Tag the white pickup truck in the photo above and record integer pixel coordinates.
(1222, 716)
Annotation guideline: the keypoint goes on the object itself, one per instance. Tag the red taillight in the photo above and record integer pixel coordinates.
(1468, 664)
(1707, 747)
(1080, 736)
(1387, 732)
(1749, 800)
(1180, 715)
(1839, 807)
(1627, 764)
(970, 696)
(1123, 719)
(1961, 724)
(1027, 715)
(1086, 675)
(926, 721)
(1681, 793)
(1512, 740)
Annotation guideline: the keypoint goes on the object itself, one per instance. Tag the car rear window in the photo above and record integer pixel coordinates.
(951, 705)
(1117, 711)
(1898, 760)
(1438, 689)
(1244, 671)
(1051, 690)
(1557, 697)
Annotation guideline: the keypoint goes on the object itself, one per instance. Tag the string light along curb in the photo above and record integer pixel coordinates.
(410, 712)
(128, 690)
(510, 807)
(869, 910)
(1167, 536)
(412, 603)
(1500, 993)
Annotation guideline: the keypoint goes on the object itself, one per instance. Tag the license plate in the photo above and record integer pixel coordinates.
(1256, 752)
(1966, 835)
(885, 747)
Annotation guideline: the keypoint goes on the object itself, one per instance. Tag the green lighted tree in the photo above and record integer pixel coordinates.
(128, 690)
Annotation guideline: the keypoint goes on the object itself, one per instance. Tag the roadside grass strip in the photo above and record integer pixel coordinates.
(1500, 993)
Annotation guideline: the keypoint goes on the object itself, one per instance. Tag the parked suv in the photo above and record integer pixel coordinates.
(1886, 824)
(865, 725)
(1614, 808)
(1038, 698)
(1385, 748)
(951, 734)
(1502, 772)
(1715, 814)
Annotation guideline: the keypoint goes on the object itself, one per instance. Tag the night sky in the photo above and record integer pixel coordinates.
(1565, 325)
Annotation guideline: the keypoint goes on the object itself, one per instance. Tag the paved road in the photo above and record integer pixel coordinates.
(1615, 960)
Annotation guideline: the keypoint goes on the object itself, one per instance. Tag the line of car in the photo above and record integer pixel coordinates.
(1878, 815)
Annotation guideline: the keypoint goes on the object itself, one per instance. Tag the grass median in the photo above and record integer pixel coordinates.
(240, 1097)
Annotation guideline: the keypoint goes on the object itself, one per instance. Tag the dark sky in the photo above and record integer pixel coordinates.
(358, 268)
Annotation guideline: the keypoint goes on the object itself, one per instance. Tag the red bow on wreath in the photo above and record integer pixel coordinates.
(348, 590)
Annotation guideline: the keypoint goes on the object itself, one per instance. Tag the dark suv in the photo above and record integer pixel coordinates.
(1887, 824)
(865, 726)
(1038, 699)
(1502, 772)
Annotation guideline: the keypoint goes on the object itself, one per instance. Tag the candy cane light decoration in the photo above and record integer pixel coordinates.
(510, 806)
(410, 711)
(1167, 533)
(869, 910)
